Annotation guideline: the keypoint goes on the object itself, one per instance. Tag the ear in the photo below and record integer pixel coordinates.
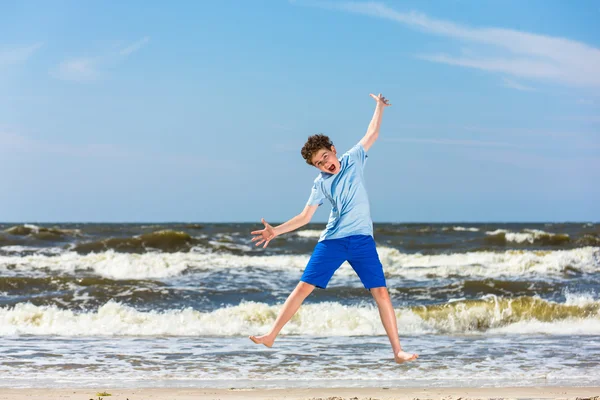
(333, 149)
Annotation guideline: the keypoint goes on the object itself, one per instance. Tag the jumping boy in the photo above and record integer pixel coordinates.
(348, 235)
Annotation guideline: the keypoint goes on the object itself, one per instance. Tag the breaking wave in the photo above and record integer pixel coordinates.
(460, 229)
(489, 315)
(309, 233)
(42, 233)
(511, 263)
(164, 240)
(531, 236)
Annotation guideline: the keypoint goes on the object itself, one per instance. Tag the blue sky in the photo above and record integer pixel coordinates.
(196, 111)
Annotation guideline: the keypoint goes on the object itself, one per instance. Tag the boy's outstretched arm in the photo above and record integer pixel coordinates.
(373, 130)
(270, 233)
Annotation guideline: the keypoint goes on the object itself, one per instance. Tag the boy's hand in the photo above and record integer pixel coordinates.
(264, 235)
(381, 100)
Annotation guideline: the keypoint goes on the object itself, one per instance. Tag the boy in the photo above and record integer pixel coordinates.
(348, 235)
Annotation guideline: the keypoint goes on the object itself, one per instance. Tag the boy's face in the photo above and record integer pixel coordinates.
(326, 160)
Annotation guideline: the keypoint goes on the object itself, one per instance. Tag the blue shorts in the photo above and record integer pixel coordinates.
(329, 255)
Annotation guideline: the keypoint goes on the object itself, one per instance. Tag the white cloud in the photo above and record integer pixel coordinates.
(452, 142)
(18, 55)
(86, 69)
(520, 54)
(78, 69)
(578, 168)
(12, 144)
(15, 143)
(509, 83)
(134, 46)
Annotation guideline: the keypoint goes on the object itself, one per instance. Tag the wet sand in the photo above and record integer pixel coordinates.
(521, 393)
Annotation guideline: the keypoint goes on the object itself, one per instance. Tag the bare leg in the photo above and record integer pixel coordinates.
(388, 318)
(291, 305)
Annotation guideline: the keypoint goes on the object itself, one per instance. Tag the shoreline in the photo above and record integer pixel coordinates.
(379, 393)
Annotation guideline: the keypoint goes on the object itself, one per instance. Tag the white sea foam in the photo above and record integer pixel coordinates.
(490, 264)
(296, 362)
(229, 245)
(321, 319)
(19, 249)
(114, 265)
(528, 235)
(580, 299)
(571, 326)
(34, 228)
(31, 249)
(461, 229)
(309, 233)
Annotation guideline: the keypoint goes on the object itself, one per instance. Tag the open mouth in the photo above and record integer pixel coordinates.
(332, 168)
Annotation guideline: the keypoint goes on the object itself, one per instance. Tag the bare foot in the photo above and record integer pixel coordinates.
(264, 339)
(403, 356)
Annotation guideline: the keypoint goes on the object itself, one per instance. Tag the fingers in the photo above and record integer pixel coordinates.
(260, 239)
(380, 98)
(263, 235)
(264, 240)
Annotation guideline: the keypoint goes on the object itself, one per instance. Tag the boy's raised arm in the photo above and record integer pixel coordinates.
(270, 233)
(373, 130)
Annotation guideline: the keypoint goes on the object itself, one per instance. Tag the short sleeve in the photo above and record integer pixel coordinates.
(358, 154)
(316, 195)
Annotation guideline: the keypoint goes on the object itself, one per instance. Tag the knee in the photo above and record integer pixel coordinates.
(379, 292)
(305, 288)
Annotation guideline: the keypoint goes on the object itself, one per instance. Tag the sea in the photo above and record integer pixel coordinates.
(172, 305)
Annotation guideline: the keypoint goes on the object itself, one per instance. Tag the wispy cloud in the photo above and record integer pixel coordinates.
(86, 69)
(78, 69)
(17, 55)
(520, 54)
(134, 46)
(509, 83)
(453, 142)
(17, 144)
(577, 167)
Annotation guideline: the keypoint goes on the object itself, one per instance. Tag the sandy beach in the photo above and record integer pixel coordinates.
(547, 392)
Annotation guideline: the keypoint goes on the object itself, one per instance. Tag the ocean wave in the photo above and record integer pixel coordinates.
(460, 229)
(531, 236)
(91, 291)
(42, 233)
(512, 263)
(589, 239)
(169, 241)
(9, 240)
(491, 315)
(485, 264)
(164, 240)
(309, 233)
(19, 250)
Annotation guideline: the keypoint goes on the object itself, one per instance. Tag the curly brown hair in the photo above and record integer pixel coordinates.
(313, 145)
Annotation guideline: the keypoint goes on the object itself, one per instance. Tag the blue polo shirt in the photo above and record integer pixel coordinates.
(346, 191)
